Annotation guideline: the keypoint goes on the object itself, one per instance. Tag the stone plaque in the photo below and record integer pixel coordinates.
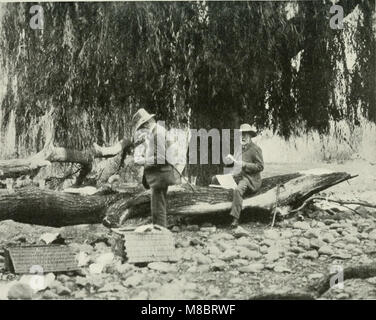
(49, 258)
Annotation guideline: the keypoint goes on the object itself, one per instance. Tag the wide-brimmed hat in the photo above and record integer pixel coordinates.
(245, 127)
(140, 117)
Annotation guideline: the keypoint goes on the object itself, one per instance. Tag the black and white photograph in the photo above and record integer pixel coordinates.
(188, 150)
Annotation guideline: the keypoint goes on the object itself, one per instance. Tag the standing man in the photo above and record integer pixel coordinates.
(159, 172)
(251, 162)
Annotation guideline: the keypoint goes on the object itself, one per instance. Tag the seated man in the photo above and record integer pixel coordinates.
(251, 163)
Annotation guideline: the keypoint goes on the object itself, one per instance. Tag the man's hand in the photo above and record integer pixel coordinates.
(230, 158)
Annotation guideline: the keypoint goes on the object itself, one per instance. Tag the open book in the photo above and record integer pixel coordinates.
(226, 181)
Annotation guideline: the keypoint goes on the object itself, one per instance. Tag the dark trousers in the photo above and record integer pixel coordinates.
(237, 201)
(159, 206)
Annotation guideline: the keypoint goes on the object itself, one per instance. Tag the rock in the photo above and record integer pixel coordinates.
(49, 295)
(83, 259)
(252, 268)
(193, 227)
(372, 235)
(175, 229)
(123, 267)
(96, 268)
(296, 249)
(240, 232)
(105, 258)
(312, 254)
(315, 276)
(312, 233)
(62, 290)
(286, 234)
(282, 269)
(236, 280)
(304, 243)
(133, 281)
(208, 229)
(196, 242)
(217, 266)
(351, 239)
(201, 258)
(22, 232)
(228, 255)
(213, 249)
(248, 254)
(244, 242)
(21, 291)
(272, 256)
(271, 234)
(222, 236)
(302, 225)
(342, 255)
(316, 243)
(328, 237)
(49, 238)
(326, 250)
(162, 267)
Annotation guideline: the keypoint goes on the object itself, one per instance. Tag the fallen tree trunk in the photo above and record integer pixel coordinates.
(14, 168)
(283, 191)
(54, 208)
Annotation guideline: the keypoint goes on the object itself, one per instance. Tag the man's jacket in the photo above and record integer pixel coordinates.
(252, 165)
(158, 170)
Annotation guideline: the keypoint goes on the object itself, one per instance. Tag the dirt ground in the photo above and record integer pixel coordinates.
(215, 262)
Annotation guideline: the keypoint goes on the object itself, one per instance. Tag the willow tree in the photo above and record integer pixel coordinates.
(94, 64)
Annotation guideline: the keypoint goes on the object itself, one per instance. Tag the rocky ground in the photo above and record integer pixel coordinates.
(213, 261)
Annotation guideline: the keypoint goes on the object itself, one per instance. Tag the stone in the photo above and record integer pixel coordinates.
(272, 256)
(312, 254)
(133, 281)
(304, 243)
(193, 227)
(271, 234)
(105, 258)
(175, 229)
(49, 295)
(326, 250)
(351, 239)
(312, 233)
(315, 276)
(316, 243)
(328, 238)
(296, 249)
(240, 232)
(213, 249)
(302, 225)
(372, 235)
(96, 268)
(62, 290)
(248, 254)
(281, 269)
(217, 266)
(162, 267)
(342, 255)
(228, 255)
(201, 258)
(286, 234)
(222, 236)
(252, 268)
(21, 291)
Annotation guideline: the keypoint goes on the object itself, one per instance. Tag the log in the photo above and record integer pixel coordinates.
(15, 168)
(55, 208)
(283, 191)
